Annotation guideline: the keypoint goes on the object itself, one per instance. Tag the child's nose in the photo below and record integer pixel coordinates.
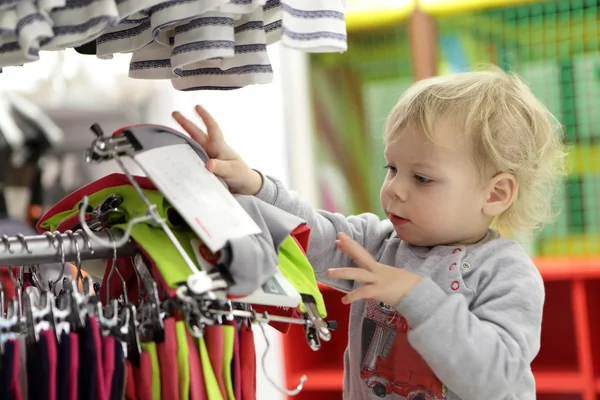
(397, 189)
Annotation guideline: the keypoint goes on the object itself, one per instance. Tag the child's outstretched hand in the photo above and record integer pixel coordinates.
(381, 282)
(224, 161)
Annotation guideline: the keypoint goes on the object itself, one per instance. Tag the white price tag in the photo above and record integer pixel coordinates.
(201, 199)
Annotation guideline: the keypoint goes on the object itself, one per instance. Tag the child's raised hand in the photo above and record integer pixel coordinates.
(224, 161)
(381, 282)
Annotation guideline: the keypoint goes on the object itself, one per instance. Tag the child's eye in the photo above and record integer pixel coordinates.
(422, 179)
(390, 168)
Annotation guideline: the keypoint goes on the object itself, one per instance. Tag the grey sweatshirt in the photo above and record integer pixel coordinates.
(469, 330)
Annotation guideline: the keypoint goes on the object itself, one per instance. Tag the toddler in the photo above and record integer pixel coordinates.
(442, 306)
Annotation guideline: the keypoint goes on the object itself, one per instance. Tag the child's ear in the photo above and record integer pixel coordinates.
(502, 190)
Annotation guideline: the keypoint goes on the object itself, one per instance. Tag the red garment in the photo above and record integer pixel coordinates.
(15, 385)
(248, 363)
(52, 362)
(167, 357)
(101, 393)
(143, 377)
(213, 337)
(197, 386)
(129, 382)
(236, 365)
(108, 359)
(73, 365)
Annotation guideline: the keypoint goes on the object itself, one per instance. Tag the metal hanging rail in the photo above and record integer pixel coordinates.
(52, 247)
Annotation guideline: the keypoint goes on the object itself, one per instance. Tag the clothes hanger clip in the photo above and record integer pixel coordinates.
(312, 314)
(103, 148)
(190, 309)
(38, 317)
(108, 316)
(152, 324)
(102, 242)
(89, 299)
(73, 301)
(9, 320)
(61, 314)
(128, 332)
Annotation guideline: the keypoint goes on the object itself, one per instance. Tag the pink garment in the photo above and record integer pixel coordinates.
(73, 366)
(52, 362)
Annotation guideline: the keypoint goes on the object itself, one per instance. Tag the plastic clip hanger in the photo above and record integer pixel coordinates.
(38, 318)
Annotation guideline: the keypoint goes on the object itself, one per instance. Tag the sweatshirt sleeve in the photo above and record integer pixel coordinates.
(367, 229)
(479, 351)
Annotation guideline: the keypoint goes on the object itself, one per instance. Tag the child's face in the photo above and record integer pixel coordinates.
(433, 194)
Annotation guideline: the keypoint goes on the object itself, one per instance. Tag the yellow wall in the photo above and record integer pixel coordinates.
(369, 14)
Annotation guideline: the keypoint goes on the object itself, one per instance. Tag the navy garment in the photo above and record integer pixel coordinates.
(117, 386)
(38, 370)
(87, 363)
(62, 369)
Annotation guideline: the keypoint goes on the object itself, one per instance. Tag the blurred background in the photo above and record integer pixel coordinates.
(318, 127)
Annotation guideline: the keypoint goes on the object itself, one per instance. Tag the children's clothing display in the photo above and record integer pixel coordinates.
(172, 318)
(198, 44)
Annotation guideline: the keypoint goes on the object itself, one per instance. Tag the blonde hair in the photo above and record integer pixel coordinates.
(510, 129)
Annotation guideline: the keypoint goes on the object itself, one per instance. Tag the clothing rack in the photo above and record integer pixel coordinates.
(55, 247)
(159, 318)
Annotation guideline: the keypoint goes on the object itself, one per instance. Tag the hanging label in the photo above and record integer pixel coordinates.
(276, 291)
(196, 193)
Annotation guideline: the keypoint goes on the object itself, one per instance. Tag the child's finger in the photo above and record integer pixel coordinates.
(362, 293)
(355, 251)
(223, 168)
(213, 129)
(192, 129)
(353, 274)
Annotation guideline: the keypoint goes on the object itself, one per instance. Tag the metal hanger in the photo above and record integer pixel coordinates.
(63, 261)
(263, 362)
(95, 238)
(108, 316)
(152, 319)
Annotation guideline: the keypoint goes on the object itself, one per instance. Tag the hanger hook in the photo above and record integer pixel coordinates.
(63, 257)
(23, 241)
(71, 236)
(263, 362)
(7, 244)
(99, 240)
(88, 242)
(115, 267)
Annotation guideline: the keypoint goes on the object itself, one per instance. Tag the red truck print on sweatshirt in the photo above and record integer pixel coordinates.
(390, 366)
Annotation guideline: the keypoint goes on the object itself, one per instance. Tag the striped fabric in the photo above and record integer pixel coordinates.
(198, 44)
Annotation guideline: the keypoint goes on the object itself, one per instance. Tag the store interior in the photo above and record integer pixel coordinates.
(315, 121)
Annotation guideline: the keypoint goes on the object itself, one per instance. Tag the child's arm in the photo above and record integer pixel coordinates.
(480, 351)
(367, 229)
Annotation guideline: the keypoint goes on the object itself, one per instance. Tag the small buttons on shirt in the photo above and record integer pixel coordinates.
(466, 265)
(454, 285)
(456, 250)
